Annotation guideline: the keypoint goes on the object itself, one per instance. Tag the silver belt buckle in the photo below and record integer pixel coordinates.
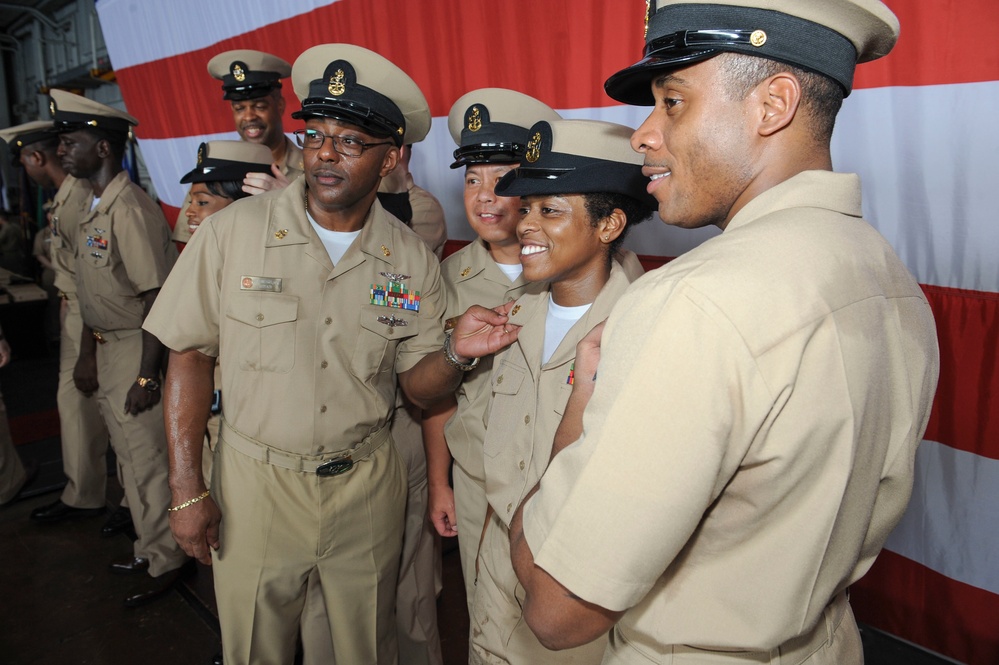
(335, 466)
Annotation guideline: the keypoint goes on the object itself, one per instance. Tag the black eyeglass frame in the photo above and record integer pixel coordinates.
(302, 134)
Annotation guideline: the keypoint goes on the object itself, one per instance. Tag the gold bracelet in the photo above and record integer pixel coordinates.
(189, 502)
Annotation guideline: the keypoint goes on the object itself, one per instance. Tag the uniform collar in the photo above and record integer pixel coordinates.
(838, 192)
(110, 193)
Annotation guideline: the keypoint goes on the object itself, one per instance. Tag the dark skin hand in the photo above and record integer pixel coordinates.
(188, 389)
(85, 371)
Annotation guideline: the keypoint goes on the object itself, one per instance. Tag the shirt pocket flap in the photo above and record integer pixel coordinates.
(508, 379)
(389, 322)
(261, 310)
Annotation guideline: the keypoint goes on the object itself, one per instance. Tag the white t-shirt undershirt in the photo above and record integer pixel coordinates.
(557, 324)
(96, 202)
(511, 270)
(336, 242)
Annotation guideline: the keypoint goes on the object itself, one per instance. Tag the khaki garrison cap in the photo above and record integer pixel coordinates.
(578, 157)
(72, 112)
(229, 160)
(490, 125)
(825, 36)
(353, 84)
(247, 74)
(30, 132)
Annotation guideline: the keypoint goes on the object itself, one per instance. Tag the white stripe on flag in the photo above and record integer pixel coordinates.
(927, 156)
(952, 523)
(139, 31)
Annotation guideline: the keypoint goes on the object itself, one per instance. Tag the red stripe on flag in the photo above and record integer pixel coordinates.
(919, 604)
(556, 50)
(966, 409)
(938, 45)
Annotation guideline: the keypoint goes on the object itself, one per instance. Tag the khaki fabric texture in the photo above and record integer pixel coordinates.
(314, 354)
(69, 207)
(137, 256)
(751, 439)
(528, 400)
(83, 434)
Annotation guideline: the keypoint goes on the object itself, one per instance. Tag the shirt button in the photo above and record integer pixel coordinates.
(329, 320)
(324, 364)
(499, 379)
(522, 465)
(527, 419)
(260, 317)
(322, 409)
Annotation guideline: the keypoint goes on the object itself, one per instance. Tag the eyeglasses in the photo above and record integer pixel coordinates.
(348, 146)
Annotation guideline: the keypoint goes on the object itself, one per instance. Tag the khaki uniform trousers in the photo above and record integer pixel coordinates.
(11, 469)
(140, 444)
(470, 507)
(82, 431)
(419, 571)
(499, 634)
(279, 527)
(835, 640)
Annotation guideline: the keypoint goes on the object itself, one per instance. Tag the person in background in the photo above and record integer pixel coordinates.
(740, 439)
(251, 83)
(14, 476)
(82, 433)
(123, 255)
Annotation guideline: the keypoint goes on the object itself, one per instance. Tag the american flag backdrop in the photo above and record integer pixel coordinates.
(921, 127)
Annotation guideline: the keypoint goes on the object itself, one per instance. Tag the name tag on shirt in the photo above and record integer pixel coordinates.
(252, 283)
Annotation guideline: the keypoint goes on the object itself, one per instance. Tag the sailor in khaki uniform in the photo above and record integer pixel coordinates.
(124, 254)
(315, 302)
(251, 83)
(582, 189)
(14, 476)
(489, 126)
(83, 436)
(750, 439)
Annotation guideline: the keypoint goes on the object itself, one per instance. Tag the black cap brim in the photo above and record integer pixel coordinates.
(633, 85)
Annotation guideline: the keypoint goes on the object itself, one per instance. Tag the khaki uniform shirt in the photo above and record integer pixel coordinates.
(750, 442)
(123, 249)
(472, 278)
(69, 206)
(528, 398)
(309, 352)
(293, 166)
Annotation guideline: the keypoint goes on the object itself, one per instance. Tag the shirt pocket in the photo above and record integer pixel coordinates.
(380, 329)
(265, 332)
(505, 410)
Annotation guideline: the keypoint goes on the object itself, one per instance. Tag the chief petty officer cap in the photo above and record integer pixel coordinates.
(229, 160)
(355, 85)
(490, 125)
(578, 157)
(18, 136)
(72, 112)
(825, 36)
(247, 74)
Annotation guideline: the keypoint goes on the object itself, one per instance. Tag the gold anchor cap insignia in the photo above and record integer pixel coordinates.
(758, 38)
(648, 13)
(474, 120)
(337, 84)
(201, 154)
(238, 73)
(533, 153)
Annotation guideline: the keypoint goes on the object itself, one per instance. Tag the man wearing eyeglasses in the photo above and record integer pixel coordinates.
(317, 302)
